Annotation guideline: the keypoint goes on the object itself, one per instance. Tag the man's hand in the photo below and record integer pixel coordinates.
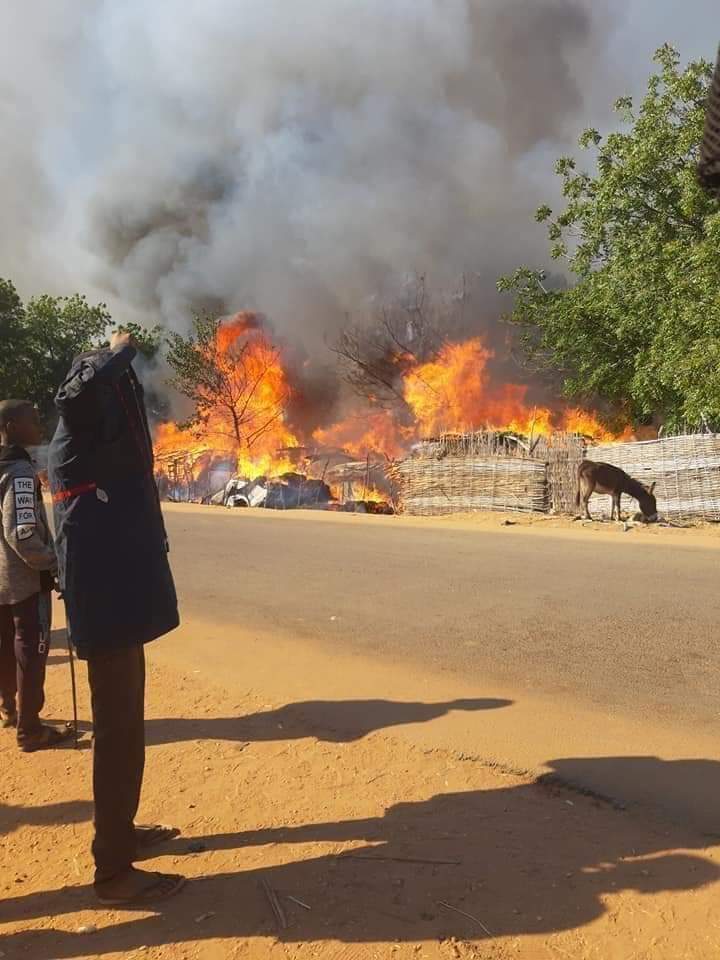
(120, 339)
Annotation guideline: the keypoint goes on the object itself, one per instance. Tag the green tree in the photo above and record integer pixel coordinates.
(13, 371)
(39, 339)
(638, 325)
(149, 340)
(55, 330)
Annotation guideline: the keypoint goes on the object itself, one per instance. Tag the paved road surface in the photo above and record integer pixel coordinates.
(596, 639)
(617, 623)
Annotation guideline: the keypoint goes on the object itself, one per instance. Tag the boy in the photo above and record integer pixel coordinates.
(27, 568)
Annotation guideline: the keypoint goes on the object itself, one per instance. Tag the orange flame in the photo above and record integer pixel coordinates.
(452, 393)
(244, 422)
(374, 432)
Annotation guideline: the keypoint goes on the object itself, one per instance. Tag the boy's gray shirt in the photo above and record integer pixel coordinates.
(26, 547)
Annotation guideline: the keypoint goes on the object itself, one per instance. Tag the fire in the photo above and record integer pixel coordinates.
(455, 393)
(244, 420)
(586, 424)
(375, 432)
(244, 427)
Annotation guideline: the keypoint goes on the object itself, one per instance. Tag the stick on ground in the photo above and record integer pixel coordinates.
(275, 905)
(298, 902)
(468, 916)
(364, 856)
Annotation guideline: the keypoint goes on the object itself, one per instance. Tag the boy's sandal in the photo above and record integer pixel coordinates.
(47, 738)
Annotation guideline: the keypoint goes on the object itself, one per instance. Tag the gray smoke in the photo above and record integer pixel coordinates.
(295, 158)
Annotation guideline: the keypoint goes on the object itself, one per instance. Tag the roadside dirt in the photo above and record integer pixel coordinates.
(697, 534)
(353, 828)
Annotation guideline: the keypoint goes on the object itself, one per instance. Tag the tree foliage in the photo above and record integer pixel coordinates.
(639, 324)
(39, 339)
(148, 340)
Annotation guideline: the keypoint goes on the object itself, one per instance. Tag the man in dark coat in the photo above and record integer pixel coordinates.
(119, 594)
(709, 168)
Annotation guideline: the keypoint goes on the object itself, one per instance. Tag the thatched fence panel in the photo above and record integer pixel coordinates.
(563, 456)
(432, 486)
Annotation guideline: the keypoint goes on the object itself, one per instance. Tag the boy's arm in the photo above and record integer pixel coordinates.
(20, 521)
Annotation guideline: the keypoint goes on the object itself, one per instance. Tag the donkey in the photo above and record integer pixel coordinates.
(604, 478)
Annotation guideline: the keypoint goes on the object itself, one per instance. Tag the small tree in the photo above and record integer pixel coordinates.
(233, 375)
(639, 324)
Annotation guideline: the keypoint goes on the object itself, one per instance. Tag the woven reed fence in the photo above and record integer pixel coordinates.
(457, 474)
(686, 471)
(562, 453)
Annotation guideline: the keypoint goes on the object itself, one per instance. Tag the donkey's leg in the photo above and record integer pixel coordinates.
(619, 501)
(586, 494)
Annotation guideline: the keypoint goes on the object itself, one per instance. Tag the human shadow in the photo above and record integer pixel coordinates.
(527, 859)
(687, 791)
(12, 816)
(334, 721)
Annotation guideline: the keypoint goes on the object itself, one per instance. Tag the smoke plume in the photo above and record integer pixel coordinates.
(294, 158)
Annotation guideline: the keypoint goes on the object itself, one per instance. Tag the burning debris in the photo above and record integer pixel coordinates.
(291, 491)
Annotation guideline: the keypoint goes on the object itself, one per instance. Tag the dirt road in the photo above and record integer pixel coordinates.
(588, 651)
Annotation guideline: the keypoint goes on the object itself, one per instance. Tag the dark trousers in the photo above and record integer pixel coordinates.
(24, 644)
(117, 688)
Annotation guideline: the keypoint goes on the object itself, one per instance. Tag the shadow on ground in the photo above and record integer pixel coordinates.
(334, 721)
(686, 790)
(58, 648)
(13, 817)
(530, 859)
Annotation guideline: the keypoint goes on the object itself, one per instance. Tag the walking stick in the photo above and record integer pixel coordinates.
(74, 689)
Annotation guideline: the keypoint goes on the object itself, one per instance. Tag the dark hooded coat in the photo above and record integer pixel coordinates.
(110, 536)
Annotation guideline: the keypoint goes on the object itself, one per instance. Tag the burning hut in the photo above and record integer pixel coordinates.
(363, 486)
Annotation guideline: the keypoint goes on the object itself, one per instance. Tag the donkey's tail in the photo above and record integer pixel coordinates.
(577, 497)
